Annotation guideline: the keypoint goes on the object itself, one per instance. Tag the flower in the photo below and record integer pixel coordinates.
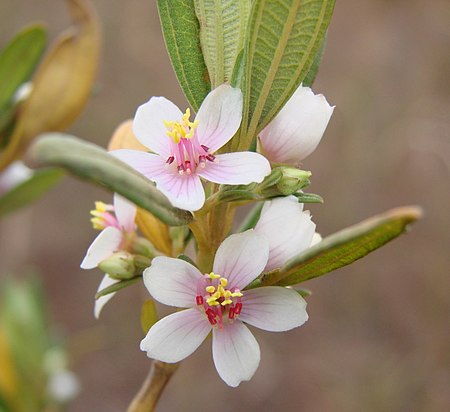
(288, 229)
(116, 232)
(184, 150)
(217, 302)
(15, 174)
(297, 129)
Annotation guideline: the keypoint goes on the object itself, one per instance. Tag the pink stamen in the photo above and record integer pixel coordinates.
(238, 308)
(199, 300)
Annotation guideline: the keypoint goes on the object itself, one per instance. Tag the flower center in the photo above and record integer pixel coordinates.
(218, 302)
(102, 216)
(184, 145)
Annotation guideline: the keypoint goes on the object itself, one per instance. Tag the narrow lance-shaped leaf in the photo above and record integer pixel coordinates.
(182, 36)
(92, 163)
(29, 190)
(18, 60)
(283, 38)
(222, 27)
(62, 83)
(344, 247)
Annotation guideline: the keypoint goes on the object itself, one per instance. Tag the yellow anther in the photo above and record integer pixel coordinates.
(223, 282)
(101, 207)
(236, 294)
(210, 289)
(227, 294)
(212, 275)
(98, 219)
(226, 302)
(181, 130)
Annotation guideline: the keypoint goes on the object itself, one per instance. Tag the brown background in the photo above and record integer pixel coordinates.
(378, 335)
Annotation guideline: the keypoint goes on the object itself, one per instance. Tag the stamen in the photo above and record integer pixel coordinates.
(199, 300)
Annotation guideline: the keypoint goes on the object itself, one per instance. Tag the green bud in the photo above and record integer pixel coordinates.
(270, 180)
(119, 266)
(141, 263)
(142, 246)
(292, 180)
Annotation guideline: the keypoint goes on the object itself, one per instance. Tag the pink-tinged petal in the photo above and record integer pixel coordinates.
(184, 191)
(125, 212)
(238, 168)
(103, 246)
(273, 308)
(219, 117)
(288, 229)
(149, 127)
(172, 281)
(148, 164)
(13, 175)
(297, 129)
(176, 336)
(241, 258)
(103, 300)
(236, 353)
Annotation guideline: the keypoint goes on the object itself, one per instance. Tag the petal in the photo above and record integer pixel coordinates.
(288, 229)
(125, 212)
(236, 353)
(148, 164)
(13, 175)
(172, 281)
(241, 258)
(103, 246)
(219, 117)
(239, 168)
(148, 124)
(273, 308)
(176, 336)
(297, 129)
(317, 238)
(183, 191)
(103, 300)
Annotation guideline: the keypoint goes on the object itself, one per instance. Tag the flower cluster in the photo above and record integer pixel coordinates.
(227, 297)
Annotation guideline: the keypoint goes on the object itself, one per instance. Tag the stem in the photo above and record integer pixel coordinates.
(153, 386)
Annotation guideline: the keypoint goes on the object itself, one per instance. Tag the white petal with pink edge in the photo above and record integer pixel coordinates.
(288, 229)
(241, 258)
(238, 168)
(297, 129)
(103, 300)
(236, 353)
(148, 164)
(273, 308)
(176, 336)
(184, 191)
(103, 246)
(172, 281)
(219, 117)
(149, 127)
(125, 212)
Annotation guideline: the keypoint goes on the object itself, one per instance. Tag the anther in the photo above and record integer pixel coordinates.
(199, 300)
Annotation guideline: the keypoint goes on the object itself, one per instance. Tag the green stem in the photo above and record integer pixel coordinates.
(153, 386)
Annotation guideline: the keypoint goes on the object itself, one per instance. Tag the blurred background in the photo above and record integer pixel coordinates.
(378, 336)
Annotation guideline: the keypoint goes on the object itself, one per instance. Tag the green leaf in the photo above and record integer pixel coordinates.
(283, 38)
(149, 315)
(182, 36)
(308, 197)
(251, 219)
(344, 247)
(310, 77)
(29, 190)
(223, 25)
(117, 286)
(18, 60)
(93, 163)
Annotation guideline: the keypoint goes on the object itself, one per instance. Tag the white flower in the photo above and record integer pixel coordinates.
(297, 129)
(217, 302)
(288, 229)
(117, 224)
(13, 175)
(183, 151)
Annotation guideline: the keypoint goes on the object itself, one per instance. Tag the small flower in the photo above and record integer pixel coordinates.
(297, 129)
(217, 302)
(117, 230)
(288, 229)
(183, 150)
(14, 175)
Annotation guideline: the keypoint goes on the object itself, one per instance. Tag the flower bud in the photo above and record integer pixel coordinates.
(292, 180)
(142, 246)
(119, 266)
